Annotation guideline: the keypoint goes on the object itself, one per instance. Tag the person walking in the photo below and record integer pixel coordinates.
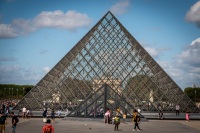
(124, 118)
(14, 122)
(187, 116)
(134, 113)
(44, 114)
(3, 122)
(48, 128)
(136, 120)
(116, 122)
(53, 115)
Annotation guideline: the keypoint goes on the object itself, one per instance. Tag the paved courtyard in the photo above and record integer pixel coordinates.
(34, 125)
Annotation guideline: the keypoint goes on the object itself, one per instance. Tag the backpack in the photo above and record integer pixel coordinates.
(2, 120)
(16, 119)
(116, 120)
(47, 129)
(137, 118)
(134, 117)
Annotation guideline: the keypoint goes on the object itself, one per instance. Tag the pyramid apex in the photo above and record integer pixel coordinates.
(109, 12)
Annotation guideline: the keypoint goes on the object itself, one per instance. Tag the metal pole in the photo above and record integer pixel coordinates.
(12, 92)
(105, 98)
(9, 92)
(195, 96)
(17, 93)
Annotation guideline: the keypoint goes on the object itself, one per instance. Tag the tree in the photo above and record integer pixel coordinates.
(193, 93)
(12, 91)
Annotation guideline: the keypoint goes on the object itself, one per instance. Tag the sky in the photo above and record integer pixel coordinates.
(36, 34)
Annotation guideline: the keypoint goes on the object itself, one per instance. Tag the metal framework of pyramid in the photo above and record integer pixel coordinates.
(107, 69)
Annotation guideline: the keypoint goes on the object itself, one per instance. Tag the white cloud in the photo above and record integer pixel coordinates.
(185, 69)
(7, 31)
(152, 51)
(120, 7)
(183, 75)
(193, 15)
(70, 20)
(24, 26)
(171, 69)
(15, 74)
(190, 56)
(197, 41)
(46, 69)
(11, 68)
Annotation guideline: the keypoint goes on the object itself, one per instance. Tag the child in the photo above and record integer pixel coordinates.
(116, 122)
(124, 118)
(187, 116)
(48, 128)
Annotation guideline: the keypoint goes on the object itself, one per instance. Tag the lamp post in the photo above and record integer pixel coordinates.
(9, 92)
(195, 96)
(17, 93)
(4, 92)
(12, 92)
(23, 91)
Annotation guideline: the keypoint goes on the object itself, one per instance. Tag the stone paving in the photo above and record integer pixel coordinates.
(34, 125)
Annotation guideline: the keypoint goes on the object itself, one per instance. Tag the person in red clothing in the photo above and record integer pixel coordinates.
(48, 128)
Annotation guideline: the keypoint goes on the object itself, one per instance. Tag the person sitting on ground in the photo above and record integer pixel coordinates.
(48, 128)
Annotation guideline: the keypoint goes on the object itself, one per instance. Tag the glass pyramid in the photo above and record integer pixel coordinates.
(107, 69)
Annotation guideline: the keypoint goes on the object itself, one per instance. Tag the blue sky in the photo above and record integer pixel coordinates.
(36, 34)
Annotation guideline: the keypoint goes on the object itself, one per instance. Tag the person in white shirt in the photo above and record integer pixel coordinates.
(139, 110)
(177, 110)
(59, 113)
(24, 112)
(107, 116)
